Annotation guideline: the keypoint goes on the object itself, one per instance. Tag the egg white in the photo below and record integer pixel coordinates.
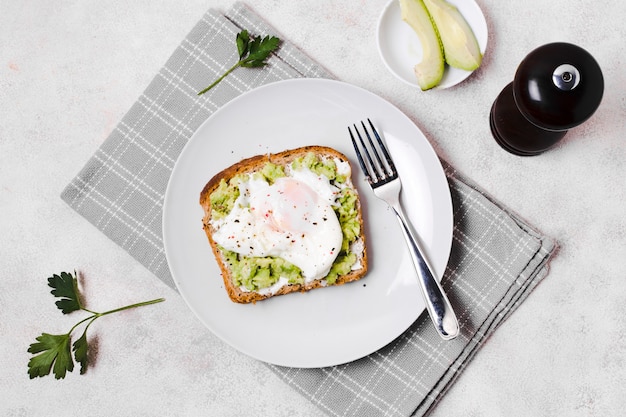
(293, 219)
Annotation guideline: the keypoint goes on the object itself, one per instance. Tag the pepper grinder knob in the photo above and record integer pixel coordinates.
(556, 87)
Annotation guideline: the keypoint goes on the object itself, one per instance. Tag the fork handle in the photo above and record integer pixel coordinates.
(437, 303)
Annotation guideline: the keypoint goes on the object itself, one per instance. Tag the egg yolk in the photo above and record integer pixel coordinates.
(289, 205)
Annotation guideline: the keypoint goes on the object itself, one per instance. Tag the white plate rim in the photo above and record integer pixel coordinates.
(406, 51)
(440, 249)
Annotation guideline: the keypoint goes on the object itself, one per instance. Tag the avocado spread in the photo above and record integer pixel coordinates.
(255, 273)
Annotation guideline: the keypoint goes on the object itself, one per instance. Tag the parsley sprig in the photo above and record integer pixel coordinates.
(55, 350)
(253, 52)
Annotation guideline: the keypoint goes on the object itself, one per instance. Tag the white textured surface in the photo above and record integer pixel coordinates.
(70, 70)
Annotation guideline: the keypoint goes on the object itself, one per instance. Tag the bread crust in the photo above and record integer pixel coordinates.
(251, 165)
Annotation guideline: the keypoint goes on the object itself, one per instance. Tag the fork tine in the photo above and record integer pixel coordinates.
(375, 171)
(358, 155)
(381, 165)
(383, 148)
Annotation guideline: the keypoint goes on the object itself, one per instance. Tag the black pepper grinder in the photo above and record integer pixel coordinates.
(556, 87)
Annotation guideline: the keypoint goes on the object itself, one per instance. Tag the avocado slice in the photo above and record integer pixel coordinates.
(429, 71)
(460, 46)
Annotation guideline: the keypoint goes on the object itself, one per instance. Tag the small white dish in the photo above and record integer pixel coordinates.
(400, 48)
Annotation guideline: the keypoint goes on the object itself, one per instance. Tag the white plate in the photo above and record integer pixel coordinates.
(400, 47)
(328, 326)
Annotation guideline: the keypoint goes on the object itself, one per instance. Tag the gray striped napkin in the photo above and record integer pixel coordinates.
(496, 258)
(495, 262)
(120, 189)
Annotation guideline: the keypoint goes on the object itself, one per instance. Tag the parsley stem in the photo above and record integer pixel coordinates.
(92, 318)
(231, 69)
(95, 315)
(145, 303)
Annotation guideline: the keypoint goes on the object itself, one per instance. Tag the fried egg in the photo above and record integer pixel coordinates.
(293, 219)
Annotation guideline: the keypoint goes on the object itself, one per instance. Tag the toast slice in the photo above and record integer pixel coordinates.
(222, 192)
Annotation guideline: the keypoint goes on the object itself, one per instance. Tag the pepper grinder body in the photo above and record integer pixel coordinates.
(556, 87)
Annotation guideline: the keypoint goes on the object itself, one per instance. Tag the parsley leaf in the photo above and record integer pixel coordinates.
(55, 350)
(242, 40)
(259, 51)
(81, 349)
(253, 53)
(65, 286)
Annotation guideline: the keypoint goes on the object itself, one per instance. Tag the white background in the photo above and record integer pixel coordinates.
(70, 70)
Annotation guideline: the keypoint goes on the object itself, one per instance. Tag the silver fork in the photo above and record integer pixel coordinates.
(383, 178)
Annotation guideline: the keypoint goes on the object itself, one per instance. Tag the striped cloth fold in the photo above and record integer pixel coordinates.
(496, 261)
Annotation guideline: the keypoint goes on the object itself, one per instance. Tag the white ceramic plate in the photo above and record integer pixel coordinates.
(400, 47)
(328, 326)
